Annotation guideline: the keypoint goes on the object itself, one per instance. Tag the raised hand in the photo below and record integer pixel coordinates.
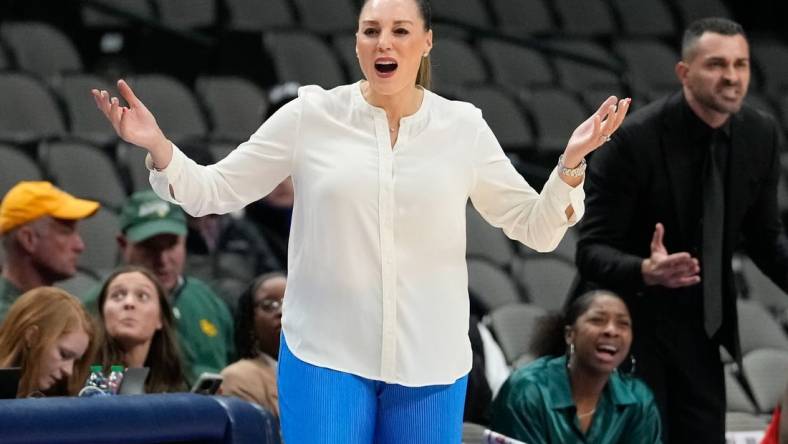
(669, 270)
(596, 130)
(134, 124)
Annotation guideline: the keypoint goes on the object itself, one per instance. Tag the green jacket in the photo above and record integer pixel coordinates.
(535, 405)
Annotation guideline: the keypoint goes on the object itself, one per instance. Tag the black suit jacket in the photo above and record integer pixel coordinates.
(645, 175)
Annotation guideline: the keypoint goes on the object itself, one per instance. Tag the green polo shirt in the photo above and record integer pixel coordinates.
(204, 325)
(8, 295)
(535, 406)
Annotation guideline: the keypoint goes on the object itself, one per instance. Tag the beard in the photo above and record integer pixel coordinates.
(714, 100)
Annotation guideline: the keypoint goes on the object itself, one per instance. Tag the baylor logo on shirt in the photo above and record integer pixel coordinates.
(208, 328)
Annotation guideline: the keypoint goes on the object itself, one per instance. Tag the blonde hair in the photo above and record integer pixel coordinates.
(53, 312)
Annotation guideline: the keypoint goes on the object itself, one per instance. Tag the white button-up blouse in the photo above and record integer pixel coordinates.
(377, 280)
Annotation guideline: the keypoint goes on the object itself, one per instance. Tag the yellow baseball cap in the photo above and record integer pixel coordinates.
(27, 201)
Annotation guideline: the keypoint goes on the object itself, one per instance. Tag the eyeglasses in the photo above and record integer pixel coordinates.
(269, 305)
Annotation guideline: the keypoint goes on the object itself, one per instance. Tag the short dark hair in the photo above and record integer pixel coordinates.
(696, 29)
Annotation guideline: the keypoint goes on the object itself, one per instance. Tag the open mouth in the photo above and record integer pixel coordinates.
(606, 350)
(385, 66)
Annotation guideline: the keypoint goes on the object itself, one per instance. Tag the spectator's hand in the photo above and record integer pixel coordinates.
(134, 124)
(596, 130)
(669, 270)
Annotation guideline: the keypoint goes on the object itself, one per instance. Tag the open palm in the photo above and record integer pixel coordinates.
(595, 130)
(134, 124)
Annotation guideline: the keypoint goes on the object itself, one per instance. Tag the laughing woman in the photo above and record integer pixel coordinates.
(376, 311)
(575, 393)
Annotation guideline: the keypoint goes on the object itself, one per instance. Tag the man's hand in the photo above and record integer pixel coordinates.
(669, 270)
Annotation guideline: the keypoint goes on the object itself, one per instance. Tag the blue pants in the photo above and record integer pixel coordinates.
(319, 405)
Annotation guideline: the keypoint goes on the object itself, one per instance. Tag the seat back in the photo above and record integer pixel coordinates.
(513, 326)
(40, 48)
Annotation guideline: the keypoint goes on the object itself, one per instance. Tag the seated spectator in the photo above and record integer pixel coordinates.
(49, 335)
(258, 326)
(137, 328)
(38, 227)
(153, 235)
(272, 215)
(574, 392)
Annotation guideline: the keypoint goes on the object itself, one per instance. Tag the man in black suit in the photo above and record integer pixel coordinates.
(683, 182)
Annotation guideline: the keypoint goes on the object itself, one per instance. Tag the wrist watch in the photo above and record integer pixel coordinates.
(578, 171)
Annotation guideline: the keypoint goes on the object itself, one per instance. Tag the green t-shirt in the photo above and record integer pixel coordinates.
(535, 406)
(8, 295)
(204, 325)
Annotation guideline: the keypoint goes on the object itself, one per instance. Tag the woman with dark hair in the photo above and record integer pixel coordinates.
(136, 327)
(50, 336)
(574, 392)
(376, 313)
(258, 325)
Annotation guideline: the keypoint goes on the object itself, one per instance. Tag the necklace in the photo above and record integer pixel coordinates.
(392, 129)
(583, 415)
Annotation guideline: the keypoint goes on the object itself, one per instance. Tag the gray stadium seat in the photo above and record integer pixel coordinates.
(83, 170)
(40, 48)
(455, 63)
(521, 18)
(345, 45)
(556, 114)
(248, 16)
(586, 18)
(771, 56)
(758, 329)
(513, 326)
(29, 112)
(16, 166)
(736, 398)
(547, 279)
(760, 288)
(645, 18)
(131, 163)
(187, 14)
(101, 247)
(650, 64)
(485, 241)
(5, 63)
(578, 76)
(766, 372)
(236, 106)
(86, 121)
(327, 17)
(469, 12)
(566, 248)
(173, 104)
(312, 52)
(514, 66)
(93, 17)
(691, 10)
(491, 287)
(507, 121)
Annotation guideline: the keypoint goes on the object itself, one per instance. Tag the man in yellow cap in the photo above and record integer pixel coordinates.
(38, 228)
